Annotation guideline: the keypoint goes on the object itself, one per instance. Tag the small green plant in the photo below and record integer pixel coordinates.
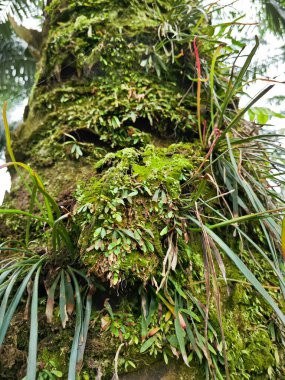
(261, 115)
(49, 372)
(75, 146)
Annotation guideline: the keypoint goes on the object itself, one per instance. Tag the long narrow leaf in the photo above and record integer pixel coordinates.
(8, 291)
(276, 269)
(193, 341)
(50, 299)
(69, 294)
(62, 301)
(245, 218)
(212, 87)
(7, 132)
(85, 327)
(283, 238)
(180, 334)
(245, 271)
(72, 370)
(19, 212)
(232, 88)
(5, 274)
(239, 116)
(31, 207)
(13, 305)
(33, 341)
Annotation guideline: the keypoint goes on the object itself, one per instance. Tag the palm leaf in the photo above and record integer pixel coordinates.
(273, 15)
(17, 68)
(19, 8)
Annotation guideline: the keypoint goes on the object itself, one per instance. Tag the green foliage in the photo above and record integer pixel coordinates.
(17, 64)
(21, 268)
(183, 225)
(75, 146)
(261, 115)
(130, 210)
(121, 243)
(120, 247)
(46, 374)
(19, 8)
(17, 68)
(273, 16)
(135, 81)
(99, 103)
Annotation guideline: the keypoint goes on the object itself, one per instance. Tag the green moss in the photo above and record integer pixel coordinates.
(157, 166)
(258, 357)
(52, 360)
(107, 110)
(119, 241)
(115, 83)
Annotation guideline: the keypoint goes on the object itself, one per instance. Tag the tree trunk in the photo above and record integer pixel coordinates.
(116, 129)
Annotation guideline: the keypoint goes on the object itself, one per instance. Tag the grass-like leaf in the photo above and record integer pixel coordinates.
(244, 270)
(241, 113)
(85, 327)
(62, 300)
(180, 333)
(234, 87)
(8, 291)
(15, 301)
(72, 370)
(50, 299)
(33, 340)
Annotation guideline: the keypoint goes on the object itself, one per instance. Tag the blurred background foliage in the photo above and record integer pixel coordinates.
(272, 16)
(17, 64)
(16, 61)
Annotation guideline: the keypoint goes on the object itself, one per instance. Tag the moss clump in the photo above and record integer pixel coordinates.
(52, 362)
(126, 206)
(106, 68)
(258, 357)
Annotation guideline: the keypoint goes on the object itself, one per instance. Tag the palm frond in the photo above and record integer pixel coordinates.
(17, 69)
(18, 8)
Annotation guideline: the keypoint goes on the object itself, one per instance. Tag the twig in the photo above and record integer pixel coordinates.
(239, 281)
(116, 376)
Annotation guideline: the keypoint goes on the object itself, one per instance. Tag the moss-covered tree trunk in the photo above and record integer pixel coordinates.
(117, 129)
